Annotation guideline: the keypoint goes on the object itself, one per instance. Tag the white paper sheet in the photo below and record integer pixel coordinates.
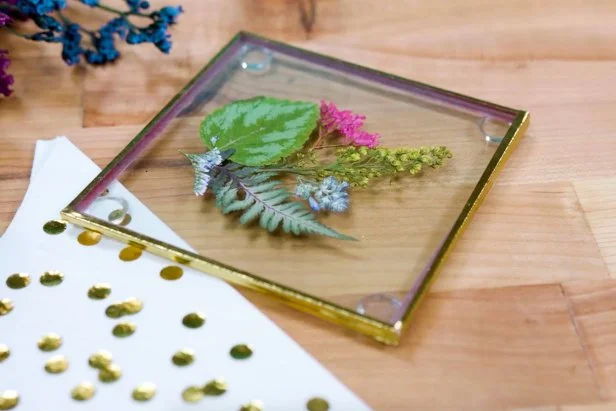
(280, 373)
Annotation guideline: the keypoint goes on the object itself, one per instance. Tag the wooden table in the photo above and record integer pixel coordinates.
(523, 315)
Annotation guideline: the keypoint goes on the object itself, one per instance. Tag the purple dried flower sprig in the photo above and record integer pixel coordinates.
(6, 80)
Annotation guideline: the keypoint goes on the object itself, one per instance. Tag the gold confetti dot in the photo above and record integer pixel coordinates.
(144, 392)
(241, 352)
(110, 374)
(126, 220)
(215, 387)
(193, 394)
(183, 357)
(99, 291)
(51, 278)
(132, 305)
(83, 391)
(130, 253)
(129, 306)
(18, 280)
(100, 359)
(193, 320)
(255, 405)
(8, 399)
(4, 352)
(116, 215)
(88, 238)
(172, 272)
(54, 227)
(56, 364)
(124, 329)
(180, 260)
(6, 306)
(317, 404)
(116, 310)
(49, 342)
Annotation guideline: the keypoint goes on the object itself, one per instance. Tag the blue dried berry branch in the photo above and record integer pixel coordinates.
(98, 46)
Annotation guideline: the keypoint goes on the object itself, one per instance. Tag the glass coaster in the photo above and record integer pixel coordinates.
(404, 228)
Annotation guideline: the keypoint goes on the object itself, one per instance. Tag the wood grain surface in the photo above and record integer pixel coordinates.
(523, 315)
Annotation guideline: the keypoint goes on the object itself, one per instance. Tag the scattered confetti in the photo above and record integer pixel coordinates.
(144, 392)
(49, 342)
(110, 374)
(317, 404)
(129, 306)
(4, 352)
(183, 357)
(99, 291)
(193, 394)
(51, 278)
(18, 280)
(132, 305)
(88, 238)
(215, 387)
(8, 399)
(56, 364)
(83, 391)
(130, 253)
(124, 329)
(100, 359)
(255, 405)
(6, 306)
(172, 272)
(193, 320)
(54, 227)
(241, 352)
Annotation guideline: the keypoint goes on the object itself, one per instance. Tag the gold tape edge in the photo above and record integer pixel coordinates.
(516, 131)
(381, 331)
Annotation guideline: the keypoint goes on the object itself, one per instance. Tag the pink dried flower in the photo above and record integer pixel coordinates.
(362, 138)
(348, 124)
(333, 119)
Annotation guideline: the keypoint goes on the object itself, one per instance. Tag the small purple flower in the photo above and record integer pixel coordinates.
(6, 80)
(4, 19)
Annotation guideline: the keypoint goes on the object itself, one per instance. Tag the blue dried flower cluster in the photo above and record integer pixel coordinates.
(329, 195)
(98, 46)
(39, 7)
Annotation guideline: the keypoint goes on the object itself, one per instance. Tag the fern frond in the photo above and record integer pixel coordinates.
(257, 195)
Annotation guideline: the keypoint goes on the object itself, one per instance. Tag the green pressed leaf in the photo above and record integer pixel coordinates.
(261, 130)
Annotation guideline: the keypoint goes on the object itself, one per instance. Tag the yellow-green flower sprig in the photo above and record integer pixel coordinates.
(360, 165)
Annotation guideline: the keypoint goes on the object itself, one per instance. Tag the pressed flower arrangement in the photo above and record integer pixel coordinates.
(94, 46)
(254, 144)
